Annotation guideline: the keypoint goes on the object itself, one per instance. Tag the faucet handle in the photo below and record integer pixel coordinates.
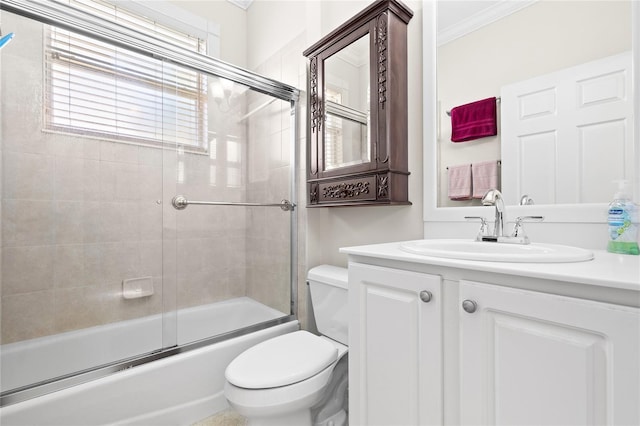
(518, 229)
(484, 228)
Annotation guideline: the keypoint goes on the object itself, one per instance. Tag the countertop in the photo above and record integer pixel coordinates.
(606, 269)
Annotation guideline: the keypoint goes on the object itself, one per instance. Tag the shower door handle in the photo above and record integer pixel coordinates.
(179, 202)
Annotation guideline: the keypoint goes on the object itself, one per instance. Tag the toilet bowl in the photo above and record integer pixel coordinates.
(298, 379)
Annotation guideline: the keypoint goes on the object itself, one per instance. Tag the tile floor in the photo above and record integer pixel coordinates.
(224, 418)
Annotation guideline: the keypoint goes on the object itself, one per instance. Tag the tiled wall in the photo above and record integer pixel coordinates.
(266, 243)
(79, 215)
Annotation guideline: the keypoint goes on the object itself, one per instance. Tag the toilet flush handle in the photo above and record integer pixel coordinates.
(426, 296)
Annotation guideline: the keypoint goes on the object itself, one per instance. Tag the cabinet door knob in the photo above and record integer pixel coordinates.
(469, 306)
(425, 296)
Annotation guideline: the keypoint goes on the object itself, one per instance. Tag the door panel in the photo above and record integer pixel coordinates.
(559, 128)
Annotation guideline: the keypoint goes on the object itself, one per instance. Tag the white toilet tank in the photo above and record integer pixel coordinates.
(329, 297)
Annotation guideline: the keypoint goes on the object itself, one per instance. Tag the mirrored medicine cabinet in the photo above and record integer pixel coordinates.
(357, 119)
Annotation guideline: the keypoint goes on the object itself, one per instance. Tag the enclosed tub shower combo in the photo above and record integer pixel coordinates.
(148, 216)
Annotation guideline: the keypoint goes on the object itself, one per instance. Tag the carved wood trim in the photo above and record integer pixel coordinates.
(381, 42)
(345, 190)
(316, 107)
(313, 193)
(383, 186)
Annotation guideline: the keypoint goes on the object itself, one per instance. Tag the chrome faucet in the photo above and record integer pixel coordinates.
(493, 197)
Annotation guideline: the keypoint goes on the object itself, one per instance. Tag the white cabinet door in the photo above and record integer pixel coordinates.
(395, 347)
(530, 358)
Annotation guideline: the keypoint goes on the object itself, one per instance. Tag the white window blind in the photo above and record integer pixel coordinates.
(96, 89)
(333, 132)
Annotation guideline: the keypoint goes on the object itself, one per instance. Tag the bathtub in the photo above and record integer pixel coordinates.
(176, 390)
(35, 360)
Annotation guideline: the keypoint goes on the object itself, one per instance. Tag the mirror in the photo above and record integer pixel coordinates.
(346, 103)
(534, 40)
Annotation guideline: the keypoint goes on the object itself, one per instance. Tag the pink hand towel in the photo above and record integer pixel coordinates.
(474, 121)
(460, 182)
(485, 177)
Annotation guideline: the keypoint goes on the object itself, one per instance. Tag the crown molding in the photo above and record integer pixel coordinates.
(480, 19)
(243, 4)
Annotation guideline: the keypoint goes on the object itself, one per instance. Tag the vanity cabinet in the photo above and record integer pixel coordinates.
(534, 358)
(357, 119)
(490, 347)
(394, 347)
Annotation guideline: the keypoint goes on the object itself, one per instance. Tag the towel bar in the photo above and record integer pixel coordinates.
(449, 111)
(499, 164)
(181, 203)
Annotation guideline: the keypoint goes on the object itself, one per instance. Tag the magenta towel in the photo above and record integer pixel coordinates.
(474, 121)
(485, 177)
(460, 182)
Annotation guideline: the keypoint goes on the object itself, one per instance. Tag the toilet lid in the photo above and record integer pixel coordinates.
(281, 361)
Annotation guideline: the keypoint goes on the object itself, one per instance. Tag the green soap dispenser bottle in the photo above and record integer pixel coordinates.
(623, 223)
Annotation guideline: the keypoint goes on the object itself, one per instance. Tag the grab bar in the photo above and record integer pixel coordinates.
(181, 203)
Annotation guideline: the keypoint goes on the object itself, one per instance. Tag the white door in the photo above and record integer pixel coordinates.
(530, 358)
(568, 134)
(395, 346)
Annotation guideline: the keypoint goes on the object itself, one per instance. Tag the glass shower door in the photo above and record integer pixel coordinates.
(232, 166)
(82, 227)
(100, 272)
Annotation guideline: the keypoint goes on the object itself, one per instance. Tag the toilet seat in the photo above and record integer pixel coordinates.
(281, 361)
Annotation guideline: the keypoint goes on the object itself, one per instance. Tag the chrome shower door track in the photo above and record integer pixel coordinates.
(14, 396)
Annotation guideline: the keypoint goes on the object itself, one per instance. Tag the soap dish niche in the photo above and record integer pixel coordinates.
(135, 288)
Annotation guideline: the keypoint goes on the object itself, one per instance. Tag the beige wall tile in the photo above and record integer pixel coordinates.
(150, 182)
(67, 224)
(27, 269)
(28, 176)
(120, 261)
(150, 220)
(26, 316)
(27, 222)
(119, 221)
(69, 266)
(107, 226)
(127, 183)
(150, 258)
(76, 179)
(79, 307)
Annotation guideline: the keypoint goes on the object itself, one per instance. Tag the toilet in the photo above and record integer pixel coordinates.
(299, 378)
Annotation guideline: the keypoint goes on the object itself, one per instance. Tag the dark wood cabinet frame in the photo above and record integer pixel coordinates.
(384, 179)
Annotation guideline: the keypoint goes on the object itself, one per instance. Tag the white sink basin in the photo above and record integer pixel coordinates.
(497, 252)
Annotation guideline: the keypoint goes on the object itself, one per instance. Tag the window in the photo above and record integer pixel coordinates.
(344, 124)
(333, 131)
(96, 89)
